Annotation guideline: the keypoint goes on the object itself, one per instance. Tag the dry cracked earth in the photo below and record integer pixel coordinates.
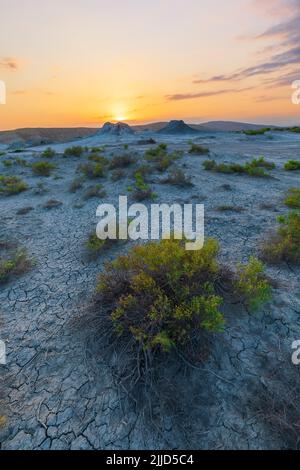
(58, 387)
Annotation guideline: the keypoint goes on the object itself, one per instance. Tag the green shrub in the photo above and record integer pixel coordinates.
(94, 244)
(160, 293)
(92, 170)
(95, 191)
(121, 161)
(14, 263)
(292, 165)
(257, 132)
(179, 178)
(163, 295)
(10, 185)
(141, 190)
(15, 161)
(42, 168)
(144, 170)
(251, 285)
(285, 244)
(254, 168)
(256, 171)
(48, 153)
(261, 163)
(75, 151)
(209, 165)
(163, 164)
(155, 153)
(21, 162)
(295, 129)
(196, 149)
(292, 199)
(7, 163)
(94, 157)
(97, 149)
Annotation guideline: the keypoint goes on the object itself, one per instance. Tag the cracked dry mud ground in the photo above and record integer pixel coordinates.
(58, 393)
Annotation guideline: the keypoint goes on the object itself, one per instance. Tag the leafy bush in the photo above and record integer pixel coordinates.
(292, 165)
(159, 293)
(91, 170)
(15, 161)
(198, 149)
(163, 164)
(7, 163)
(285, 244)
(10, 185)
(141, 190)
(293, 198)
(251, 285)
(260, 163)
(97, 149)
(144, 170)
(210, 165)
(295, 129)
(155, 153)
(121, 161)
(256, 171)
(257, 132)
(254, 168)
(75, 151)
(14, 264)
(179, 178)
(21, 162)
(95, 191)
(48, 153)
(163, 295)
(94, 244)
(42, 168)
(94, 157)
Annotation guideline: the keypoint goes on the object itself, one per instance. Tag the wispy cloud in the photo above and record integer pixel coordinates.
(287, 44)
(9, 63)
(204, 94)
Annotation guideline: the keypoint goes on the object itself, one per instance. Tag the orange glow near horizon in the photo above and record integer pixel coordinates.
(141, 62)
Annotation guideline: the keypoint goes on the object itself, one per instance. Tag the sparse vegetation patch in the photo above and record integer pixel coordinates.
(10, 185)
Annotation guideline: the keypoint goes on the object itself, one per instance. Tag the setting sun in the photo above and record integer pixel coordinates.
(120, 118)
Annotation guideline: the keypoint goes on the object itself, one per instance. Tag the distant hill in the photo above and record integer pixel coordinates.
(228, 126)
(215, 126)
(177, 128)
(39, 136)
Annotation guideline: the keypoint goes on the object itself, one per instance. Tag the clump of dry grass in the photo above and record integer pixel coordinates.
(14, 261)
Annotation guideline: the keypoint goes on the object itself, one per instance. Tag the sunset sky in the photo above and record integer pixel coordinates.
(84, 62)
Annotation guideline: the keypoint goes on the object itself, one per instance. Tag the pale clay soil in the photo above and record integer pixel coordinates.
(57, 391)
